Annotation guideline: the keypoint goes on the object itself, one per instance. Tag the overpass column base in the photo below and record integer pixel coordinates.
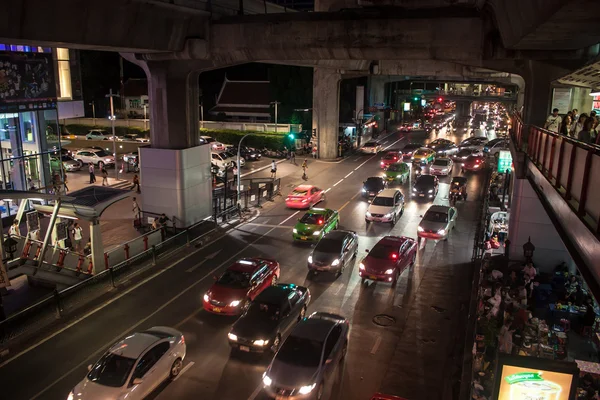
(326, 110)
(177, 183)
(97, 248)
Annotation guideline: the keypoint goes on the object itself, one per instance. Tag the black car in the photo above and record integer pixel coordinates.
(247, 153)
(334, 252)
(409, 149)
(426, 186)
(269, 318)
(372, 186)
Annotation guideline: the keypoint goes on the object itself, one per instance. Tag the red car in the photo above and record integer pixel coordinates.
(304, 196)
(240, 284)
(381, 396)
(386, 261)
(392, 157)
(473, 163)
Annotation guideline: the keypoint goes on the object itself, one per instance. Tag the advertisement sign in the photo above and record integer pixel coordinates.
(33, 221)
(504, 161)
(406, 106)
(561, 99)
(61, 231)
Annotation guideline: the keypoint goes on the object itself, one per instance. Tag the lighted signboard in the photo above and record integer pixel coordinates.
(406, 106)
(504, 161)
(423, 102)
(523, 378)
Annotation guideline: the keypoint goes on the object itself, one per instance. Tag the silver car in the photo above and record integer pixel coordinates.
(308, 360)
(437, 223)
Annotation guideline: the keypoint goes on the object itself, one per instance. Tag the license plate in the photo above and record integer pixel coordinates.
(217, 309)
(373, 277)
(244, 348)
(303, 237)
(421, 195)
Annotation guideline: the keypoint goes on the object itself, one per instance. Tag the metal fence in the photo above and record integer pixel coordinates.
(65, 302)
(253, 193)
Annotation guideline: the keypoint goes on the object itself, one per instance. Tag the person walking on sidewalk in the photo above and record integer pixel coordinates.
(293, 156)
(137, 222)
(273, 169)
(14, 229)
(92, 174)
(77, 236)
(304, 168)
(136, 182)
(104, 177)
(314, 151)
(553, 121)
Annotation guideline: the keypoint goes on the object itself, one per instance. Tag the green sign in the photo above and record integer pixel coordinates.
(504, 161)
(524, 377)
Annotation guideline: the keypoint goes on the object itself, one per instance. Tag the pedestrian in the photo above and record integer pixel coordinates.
(553, 121)
(87, 250)
(77, 236)
(104, 177)
(314, 151)
(92, 174)
(585, 135)
(136, 209)
(575, 114)
(235, 172)
(578, 126)
(273, 169)
(565, 126)
(293, 156)
(14, 229)
(304, 168)
(162, 220)
(136, 182)
(65, 181)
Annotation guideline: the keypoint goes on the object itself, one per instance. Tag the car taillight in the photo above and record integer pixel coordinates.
(394, 256)
(382, 163)
(320, 222)
(182, 339)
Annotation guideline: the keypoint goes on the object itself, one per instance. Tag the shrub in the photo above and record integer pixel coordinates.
(270, 140)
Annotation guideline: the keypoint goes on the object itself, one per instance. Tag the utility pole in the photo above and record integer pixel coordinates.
(275, 103)
(145, 107)
(111, 95)
(93, 104)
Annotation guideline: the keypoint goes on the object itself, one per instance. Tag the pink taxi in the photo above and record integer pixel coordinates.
(304, 196)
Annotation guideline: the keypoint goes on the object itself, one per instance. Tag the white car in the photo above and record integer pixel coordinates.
(441, 166)
(98, 157)
(132, 137)
(494, 146)
(98, 134)
(222, 160)
(132, 368)
(475, 142)
(437, 223)
(371, 148)
(214, 145)
(387, 206)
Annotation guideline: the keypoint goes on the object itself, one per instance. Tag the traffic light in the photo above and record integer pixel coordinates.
(291, 136)
(416, 99)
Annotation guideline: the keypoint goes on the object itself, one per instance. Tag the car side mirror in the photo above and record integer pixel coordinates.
(137, 381)
(90, 367)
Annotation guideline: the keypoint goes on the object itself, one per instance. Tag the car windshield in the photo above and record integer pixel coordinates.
(99, 132)
(396, 168)
(441, 162)
(382, 251)
(374, 181)
(66, 158)
(371, 144)
(263, 310)
(299, 192)
(424, 180)
(224, 156)
(235, 279)
(101, 153)
(312, 219)
(111, 370)
(464, 152)
(383, 201)
(421, 153)
(329, 246)
(209, 139)
(435, 216)
(390, 157)
(300, 351)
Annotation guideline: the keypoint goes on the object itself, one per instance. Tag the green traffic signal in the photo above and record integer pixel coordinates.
(416, 99)
(291, 136)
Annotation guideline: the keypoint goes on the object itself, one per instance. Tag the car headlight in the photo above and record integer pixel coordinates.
(108, 160)
(335, 262)
(310, 259)
(414, 189)
(235, 303)
(260, 342)
(364, 190)
(267, 381)
(389, 271)
(441, 231)
(316, 233)
(232, 337)
(206, 297)
(307, 389)
(388, 215)
(361, 266)
(420, 229)
(295, 230)
(445, 170)
(430, 191)
(368, 214)
(71, 396)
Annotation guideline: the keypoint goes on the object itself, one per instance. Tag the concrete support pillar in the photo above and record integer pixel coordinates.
(376, 84)
(538, 91)
(326, 111)
(97, 247)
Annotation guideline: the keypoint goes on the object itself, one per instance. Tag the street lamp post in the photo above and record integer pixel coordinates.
(110, 95)
(93, 104)
(359, 126)
(275, 103)
(145, 107)
(238, 168)
(201, 115)
(315, 112)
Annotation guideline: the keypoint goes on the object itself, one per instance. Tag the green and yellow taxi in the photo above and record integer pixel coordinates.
(423, 156)
(315, 223)
(397, 173)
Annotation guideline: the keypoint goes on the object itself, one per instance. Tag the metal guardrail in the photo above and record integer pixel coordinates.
(66, 302)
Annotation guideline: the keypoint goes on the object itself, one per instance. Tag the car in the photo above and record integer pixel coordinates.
(373, 186)
(406, 127)
(473, 163)
(388, 259)
(423, 156)
(387, 206)
(494, 146)
(270, 317)
(98, 134)
(426, 186)
(370, 148)
(314, 224)
(135, 366)
(334, 252)
(67, 135)
(391, 157)
(397, 173)
(308, 360)
(233, 157)
(441, 166)
(381, 396)
(437, 223)
(464, 153)
(443, 147)
(222, 159)
(239, 284)
(475, 142)
(248, 153)
(304, 196)
(99, 158)
(409, 149)
(132, 157)
(458, 189)
(69, 164)
(214, 145)
(132, 137)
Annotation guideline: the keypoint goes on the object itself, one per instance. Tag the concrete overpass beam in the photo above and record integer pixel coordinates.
(326, 111)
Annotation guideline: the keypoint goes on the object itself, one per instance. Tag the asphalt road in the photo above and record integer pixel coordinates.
(427, 301)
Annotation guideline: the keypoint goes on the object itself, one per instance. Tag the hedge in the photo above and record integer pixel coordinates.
(259, 140)
(82, 130)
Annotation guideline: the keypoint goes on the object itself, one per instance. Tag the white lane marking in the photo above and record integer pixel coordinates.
(159, 309)
(376, 345)
(369, 159)
(357, 158)
(338, 182)
(328, 189)
(190, 365)
(207, 258)
(267, 225)
(339, 289)
(256, 392)
(290, 217)
(351, 172)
